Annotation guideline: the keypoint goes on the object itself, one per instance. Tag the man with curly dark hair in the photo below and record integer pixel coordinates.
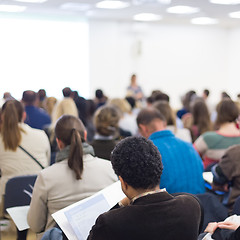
(148, 212)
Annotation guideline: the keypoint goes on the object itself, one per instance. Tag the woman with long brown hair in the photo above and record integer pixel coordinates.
(17, 138)
(77, 174)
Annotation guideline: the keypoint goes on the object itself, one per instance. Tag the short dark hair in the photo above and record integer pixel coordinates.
(206, 92)
(138, 161)
(67, 92)
(147, 115)
(227, 111)
(99, 93)
(29, 97)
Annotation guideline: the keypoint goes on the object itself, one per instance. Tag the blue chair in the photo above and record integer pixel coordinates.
(18, 191)
(236, 206)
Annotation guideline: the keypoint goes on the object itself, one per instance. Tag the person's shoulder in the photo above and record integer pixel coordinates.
(188, 200)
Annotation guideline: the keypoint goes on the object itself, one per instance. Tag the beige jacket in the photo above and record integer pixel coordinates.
(18, 163)
(56, 187)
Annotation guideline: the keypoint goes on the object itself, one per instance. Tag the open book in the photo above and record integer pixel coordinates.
(77, 219)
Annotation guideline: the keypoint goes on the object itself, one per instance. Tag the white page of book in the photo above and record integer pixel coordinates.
(19, 216)
(77, 219)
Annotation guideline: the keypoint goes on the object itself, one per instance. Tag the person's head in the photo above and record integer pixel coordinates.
(138, 163)
(29, 98)
(188, 98)
(70, 131)
(99, 94)
(121, 104)
(161, 97)
(133, 79)
(150, 120)
(205, 93)
(227, 111)
(12, 114)
(67, 92)
(201, 116)
(41, 94)
(106, 120)
(164, 108)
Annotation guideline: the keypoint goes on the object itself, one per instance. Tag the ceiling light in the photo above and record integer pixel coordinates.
(225, 2)
(204, 21)
(111, 4)
(147, 17)
(31, 1)
(12, 8)
(183, 10)
(234, 14)
(75, 6)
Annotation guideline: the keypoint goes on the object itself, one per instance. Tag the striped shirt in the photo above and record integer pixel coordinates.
(212, 146)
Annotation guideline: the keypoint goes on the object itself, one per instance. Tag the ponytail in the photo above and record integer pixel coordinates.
(70, 130)
(12, 112)
(75, 160)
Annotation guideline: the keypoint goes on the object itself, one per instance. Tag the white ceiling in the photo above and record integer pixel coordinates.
(87, 8)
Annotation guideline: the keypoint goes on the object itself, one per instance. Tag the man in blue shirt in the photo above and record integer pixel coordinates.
(36, 117)
(182, 166)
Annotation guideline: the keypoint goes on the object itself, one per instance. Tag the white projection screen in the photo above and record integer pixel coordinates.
(49, 54)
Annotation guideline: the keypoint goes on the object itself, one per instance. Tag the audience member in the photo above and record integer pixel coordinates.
(100, 98)
(81, 104)
(183, 167)
(36, 117)
(65, 106)
(226, 175)
(226, 230)
(198, 120)
(91, 108)
(167, 112)
(50, 104)
(212, 145)
(42, 97)
(186, 101)
(16, 138)
(147, 212)
(106, 121)
(77, 174)
(128, 119)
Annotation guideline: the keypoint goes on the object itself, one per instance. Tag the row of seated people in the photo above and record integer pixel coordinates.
(181, 161)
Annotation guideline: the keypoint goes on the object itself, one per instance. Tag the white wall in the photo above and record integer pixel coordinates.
(172, 58)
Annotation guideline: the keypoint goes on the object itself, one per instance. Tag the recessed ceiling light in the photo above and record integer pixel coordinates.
(75, 6)
(204, 21)
(234, 14)
(111, 4)
(31, 1)
(225, 2)
(183, 10)
(147, 17)
(12, 8)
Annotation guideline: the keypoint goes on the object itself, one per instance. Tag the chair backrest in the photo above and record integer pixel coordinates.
(236, 206)
(18, 191)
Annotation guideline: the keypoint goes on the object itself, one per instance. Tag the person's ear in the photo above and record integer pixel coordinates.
(60, 144)
(24, 116)
(143, 130)
(124, 185)
(85, 135)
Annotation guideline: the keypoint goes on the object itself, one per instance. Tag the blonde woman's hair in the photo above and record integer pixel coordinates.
(12, 113)
(106, 120)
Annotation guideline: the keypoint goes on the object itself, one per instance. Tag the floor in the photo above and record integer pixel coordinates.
(8, 231)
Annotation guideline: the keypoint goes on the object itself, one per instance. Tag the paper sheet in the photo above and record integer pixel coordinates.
(77, 219)
(19, 216)
(208, 177)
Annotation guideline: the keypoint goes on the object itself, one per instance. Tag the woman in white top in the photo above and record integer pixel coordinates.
(77, 174)
(14, 133)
